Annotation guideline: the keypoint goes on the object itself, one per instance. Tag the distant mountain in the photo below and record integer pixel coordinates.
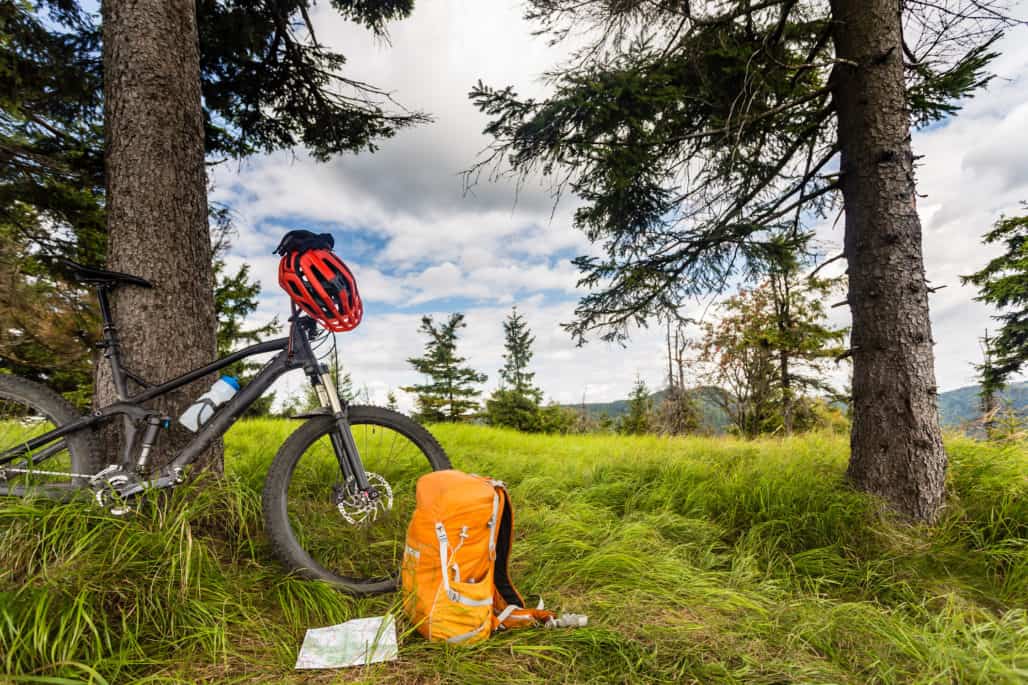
(960, 406)
(956, 407)
(713, 415)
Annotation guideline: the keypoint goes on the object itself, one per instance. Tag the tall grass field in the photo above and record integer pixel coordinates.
(697, 561)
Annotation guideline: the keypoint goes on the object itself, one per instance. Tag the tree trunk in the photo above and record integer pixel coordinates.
(781, 297)
(157, 203)
(897, 450)
(786, 381)
(670, 358)
(987, 393)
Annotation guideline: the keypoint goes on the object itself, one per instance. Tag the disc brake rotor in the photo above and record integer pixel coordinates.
(360, 508)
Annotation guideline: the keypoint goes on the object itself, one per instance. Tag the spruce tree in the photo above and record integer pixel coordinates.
(449, 393)
(518, 340)
(1003, 283)
(235, 299)
(515, 403)
(640, 406)
(235, 294)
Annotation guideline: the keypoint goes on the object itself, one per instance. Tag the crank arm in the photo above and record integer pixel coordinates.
(135, 488)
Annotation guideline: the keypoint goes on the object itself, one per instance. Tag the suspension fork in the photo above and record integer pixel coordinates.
(341, 436)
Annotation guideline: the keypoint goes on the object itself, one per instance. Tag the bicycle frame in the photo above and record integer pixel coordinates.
(294, 352)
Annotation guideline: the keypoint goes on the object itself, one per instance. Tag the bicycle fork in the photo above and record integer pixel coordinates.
(343, 444)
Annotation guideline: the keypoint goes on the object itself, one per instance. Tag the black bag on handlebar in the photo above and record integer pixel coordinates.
(301, 241)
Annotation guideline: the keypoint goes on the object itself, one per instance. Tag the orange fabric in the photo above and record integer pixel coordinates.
(459, 507)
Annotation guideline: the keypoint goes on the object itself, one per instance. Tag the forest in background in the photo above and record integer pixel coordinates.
(957, 408)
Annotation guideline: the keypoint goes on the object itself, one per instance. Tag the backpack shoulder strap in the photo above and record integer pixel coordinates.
(504, 544)
(507, 601)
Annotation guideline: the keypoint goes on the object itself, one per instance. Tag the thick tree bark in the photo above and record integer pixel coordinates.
(157, 202)
(896, 443)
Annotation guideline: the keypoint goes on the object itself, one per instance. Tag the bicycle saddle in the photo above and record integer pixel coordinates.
(86, 274)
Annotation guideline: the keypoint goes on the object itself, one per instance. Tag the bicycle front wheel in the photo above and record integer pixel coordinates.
(318, 528)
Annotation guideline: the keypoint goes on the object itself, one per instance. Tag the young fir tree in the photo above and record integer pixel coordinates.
(640, 407)
(988, 388)
(516, 403)
(449, 393)
(518, 340)
(553, 418)
(235, 298)
(1003, 283)
(391, 401)
(694, 131)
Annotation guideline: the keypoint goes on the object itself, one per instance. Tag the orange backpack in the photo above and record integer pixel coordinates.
(455, 576)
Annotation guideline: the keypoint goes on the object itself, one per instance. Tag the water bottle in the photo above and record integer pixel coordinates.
(204, 407)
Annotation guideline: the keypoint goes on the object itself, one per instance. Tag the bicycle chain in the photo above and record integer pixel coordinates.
(38, 472)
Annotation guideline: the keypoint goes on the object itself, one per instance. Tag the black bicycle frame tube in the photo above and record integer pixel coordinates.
(40, 440)
(131, 408)
(294, 353)
(235, 407)
(173, 384)
(112, 349)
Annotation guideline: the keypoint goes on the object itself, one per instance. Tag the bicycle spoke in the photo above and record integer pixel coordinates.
(372, 550)
(48, 463)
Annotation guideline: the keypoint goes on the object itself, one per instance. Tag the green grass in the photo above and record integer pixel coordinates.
(697, 560)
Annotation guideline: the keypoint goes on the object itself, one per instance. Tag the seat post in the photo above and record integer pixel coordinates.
(105, 307)
(110, 344)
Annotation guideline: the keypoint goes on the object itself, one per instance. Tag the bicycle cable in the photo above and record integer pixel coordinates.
(324, 355)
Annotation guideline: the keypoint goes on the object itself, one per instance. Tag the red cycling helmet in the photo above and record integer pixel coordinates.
(321, 285)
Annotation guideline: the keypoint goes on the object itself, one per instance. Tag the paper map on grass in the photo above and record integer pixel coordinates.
(354, 643)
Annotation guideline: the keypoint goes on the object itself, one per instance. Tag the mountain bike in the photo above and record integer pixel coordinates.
(337, 496)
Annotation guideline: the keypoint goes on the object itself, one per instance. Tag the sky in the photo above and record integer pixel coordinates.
(419, 244)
